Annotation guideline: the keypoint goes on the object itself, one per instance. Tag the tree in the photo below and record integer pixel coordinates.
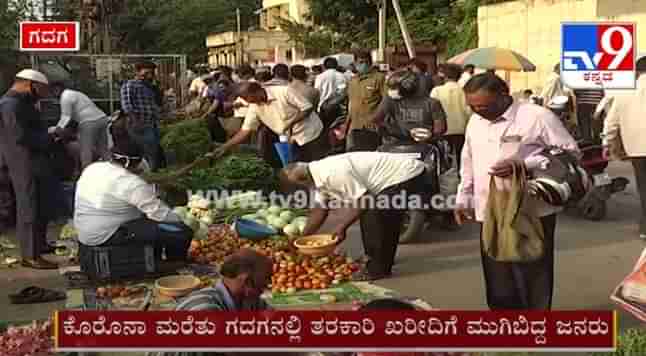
(11, 12)
(178, 26)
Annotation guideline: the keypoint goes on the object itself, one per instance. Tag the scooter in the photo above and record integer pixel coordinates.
(594, 205)
(434, 154)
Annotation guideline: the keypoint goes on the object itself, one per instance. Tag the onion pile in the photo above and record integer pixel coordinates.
(219, 243)
(32, 340)
(293, 272)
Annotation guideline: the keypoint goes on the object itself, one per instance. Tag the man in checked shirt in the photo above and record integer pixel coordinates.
(139, 102)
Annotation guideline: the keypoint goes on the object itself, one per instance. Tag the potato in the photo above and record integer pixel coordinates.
(307, 285)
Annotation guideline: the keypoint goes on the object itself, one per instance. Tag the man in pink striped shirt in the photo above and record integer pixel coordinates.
(502, 133)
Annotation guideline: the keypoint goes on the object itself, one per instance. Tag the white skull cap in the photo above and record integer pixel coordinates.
(33, 75)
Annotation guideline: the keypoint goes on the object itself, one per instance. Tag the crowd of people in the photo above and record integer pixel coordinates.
(475, 114)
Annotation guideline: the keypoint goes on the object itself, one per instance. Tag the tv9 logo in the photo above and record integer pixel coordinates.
(598, 55)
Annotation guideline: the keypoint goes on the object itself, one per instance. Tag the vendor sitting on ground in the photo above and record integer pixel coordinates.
(245, 276)
(350, 178)
(111, 194)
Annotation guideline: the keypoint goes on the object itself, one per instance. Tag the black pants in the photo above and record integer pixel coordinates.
(639, 164)
(522, 285)
(584, 118)
(216, 130)
(312, 151)
(359, 140)
(380, 228)
(144, 231)
(456, 142)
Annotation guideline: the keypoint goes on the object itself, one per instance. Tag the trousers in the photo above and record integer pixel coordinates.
(93, 140)
(639, 164)
(522, 285)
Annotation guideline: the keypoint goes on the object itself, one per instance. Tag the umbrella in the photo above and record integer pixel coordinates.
(494, 58)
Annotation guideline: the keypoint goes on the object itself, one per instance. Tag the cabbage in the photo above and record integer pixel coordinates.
(300, 225)
(202, 232)
(250, 217)
(260, 221)
(181, 211)
(274, 209)
(271, 218)
(192, 222)
(207, 219)
(262, 212)
(287, 215)
(291, 230)
(300, 219)
(278, 223)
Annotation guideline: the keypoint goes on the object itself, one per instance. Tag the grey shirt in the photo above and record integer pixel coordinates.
(408, 113)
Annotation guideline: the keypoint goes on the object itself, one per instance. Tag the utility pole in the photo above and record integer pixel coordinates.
(381, 56)
(239, 58)
(402, 25)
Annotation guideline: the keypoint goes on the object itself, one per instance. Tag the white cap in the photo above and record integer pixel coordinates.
(33, 75)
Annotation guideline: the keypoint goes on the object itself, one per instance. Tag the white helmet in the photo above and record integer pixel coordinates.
(558, 102)
(33, 75)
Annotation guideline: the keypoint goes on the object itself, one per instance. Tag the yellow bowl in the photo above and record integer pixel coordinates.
(177, 286)
(316, 245)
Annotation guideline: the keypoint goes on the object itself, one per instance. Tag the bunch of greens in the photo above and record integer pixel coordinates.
(236, 172)
(631, 342)
(186, 139)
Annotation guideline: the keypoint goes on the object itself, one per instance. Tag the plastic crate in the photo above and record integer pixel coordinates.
(119, 262)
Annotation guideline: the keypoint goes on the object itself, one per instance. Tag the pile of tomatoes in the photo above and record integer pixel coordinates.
(293, 272)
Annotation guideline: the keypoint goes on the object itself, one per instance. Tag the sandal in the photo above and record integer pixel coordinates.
(35, 295)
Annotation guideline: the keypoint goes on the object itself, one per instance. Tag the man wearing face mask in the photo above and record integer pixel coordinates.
(139, 102)
(365, 92)
(245, 276)
(403, 109)
(502, 133)
(285, 112)
(25, 147)
(110, 195)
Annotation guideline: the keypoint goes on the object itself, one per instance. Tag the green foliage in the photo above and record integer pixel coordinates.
(11, 12)
(179, 26)
(632, 342)
(187, 139)
(243, 172)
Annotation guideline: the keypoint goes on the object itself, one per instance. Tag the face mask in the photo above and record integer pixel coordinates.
(495, 110)
(394, 94)
(363, 68)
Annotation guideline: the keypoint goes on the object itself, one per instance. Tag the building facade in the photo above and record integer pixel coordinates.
(269, 45)
(537, 29)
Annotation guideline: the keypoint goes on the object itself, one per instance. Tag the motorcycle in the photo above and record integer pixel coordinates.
(594, 205)
(434, 154)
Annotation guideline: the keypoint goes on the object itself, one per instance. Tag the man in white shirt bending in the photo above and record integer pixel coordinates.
(377, 188)
(92, 122)
(111, 194)
(285, 112)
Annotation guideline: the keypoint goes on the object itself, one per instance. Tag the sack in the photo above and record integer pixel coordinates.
(449, 181)
(508, 233)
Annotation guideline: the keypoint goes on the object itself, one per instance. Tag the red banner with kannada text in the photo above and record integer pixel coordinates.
(335, 331)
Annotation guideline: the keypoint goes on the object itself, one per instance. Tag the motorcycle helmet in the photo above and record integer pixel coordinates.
(402, 84)
(560, 180)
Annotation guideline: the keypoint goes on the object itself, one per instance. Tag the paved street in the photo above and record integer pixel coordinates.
(444, 268)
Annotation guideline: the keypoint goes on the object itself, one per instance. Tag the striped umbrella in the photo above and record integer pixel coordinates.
(494, 58)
